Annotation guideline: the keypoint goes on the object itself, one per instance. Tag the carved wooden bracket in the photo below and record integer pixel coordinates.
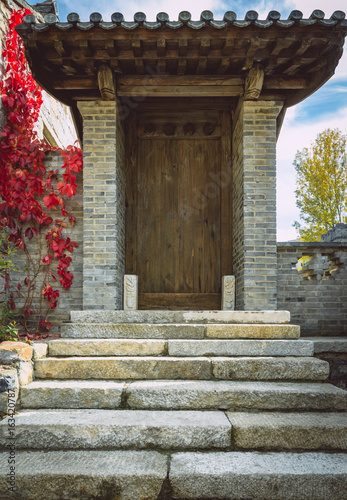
(254, 82)
(106, 83)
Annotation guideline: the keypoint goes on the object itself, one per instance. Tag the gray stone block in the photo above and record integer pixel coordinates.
(112, 429)
(260, 331)
(259, 476)
(266, 368)
(96, 316)
(122, 368)
(277, 431)
(66, 475)
(214, 395)
(72, 394)
(133, 331)
(8, 380)
(106, 347)
(8, 357)
(236, 347)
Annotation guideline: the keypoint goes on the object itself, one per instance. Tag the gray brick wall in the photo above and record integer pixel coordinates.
(104, 205)
(254, 204)
(316, 297)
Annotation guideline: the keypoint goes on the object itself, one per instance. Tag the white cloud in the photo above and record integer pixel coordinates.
(308, 6)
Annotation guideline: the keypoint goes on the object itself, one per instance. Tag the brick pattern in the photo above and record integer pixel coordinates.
(254, 204)
(316, 297)
(104, 205)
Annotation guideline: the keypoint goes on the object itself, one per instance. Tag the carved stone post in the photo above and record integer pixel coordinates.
(131, 292)
(228, 293)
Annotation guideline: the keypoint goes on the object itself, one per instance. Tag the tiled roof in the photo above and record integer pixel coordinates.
(184, 19)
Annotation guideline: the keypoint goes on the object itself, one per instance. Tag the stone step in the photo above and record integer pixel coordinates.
(135, 330)
(329, 344)
(119, 429)
(224, 395)
(204, 317)
(176, 430)
(150, 347)
(107, 347)
(72, 394)
(236, 347)
(182, 394)
(130, 475)
(258, 476)
(197, 368)
(277, 431)
(65, 475)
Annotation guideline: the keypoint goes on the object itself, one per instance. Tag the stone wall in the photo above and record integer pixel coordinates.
(254, 204)
(316, 296)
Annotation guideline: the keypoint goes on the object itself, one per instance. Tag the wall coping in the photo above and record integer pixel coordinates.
(319, 245)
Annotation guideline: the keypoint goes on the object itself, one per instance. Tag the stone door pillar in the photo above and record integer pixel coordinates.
(103, 205)
(254, 204)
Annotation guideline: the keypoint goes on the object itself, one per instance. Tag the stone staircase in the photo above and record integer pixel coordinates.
(147, 405)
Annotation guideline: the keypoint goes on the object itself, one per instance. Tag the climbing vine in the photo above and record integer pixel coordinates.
(29, 193)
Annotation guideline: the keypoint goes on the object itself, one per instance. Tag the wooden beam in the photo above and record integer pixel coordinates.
(285, 83)
(161, 47)
(59, 47)
(228, 47)
(202, 64)
(111, 48)
(139, 66)
(182, 65)
(182, 47)
(136, 46)
(204, 46)
(85, 48)
(181, 91)
(223, 66)
(254, 83)
(169, 80)
(162, 65)
(106, 83)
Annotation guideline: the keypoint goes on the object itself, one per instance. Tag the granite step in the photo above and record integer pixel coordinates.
(135, 330)
(72, 394)
(258, 476)
(130, 475)
(67, 475)
(176, 430)
(183, 395)
(225, 395)
(196, 368)
(119, 429)
(278, 431)
(203, 317)
(151, 347)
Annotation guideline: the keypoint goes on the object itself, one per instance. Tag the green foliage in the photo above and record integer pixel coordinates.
(321, 193)
(8, 327)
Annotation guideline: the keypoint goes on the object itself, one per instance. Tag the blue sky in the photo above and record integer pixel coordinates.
(327, 108)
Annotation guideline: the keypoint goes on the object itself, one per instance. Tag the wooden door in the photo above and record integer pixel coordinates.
(176, 201)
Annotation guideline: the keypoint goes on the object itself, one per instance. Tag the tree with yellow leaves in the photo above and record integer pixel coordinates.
(321, 193)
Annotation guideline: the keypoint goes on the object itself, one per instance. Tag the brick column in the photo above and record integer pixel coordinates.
(254, 204)
(104, 205)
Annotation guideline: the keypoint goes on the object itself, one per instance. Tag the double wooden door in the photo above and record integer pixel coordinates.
(178, 204)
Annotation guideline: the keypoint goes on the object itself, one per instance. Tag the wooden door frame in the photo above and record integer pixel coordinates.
(196, 300)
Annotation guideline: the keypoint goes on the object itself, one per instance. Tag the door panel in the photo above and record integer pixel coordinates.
(173, 213)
